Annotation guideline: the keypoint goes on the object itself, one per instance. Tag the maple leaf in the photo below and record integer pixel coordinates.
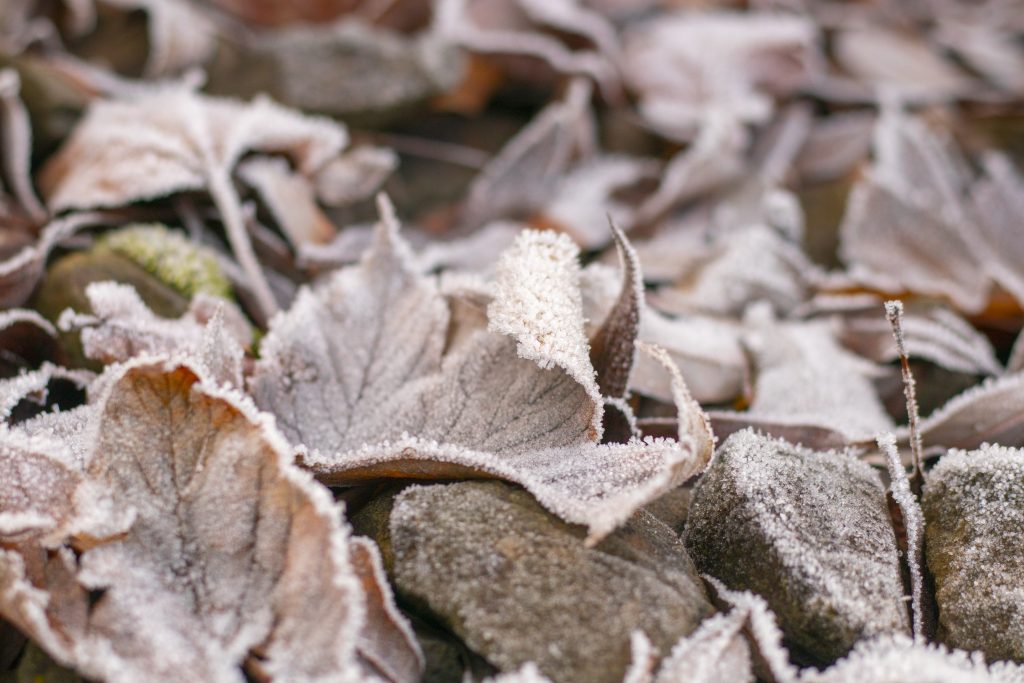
(358, 375)
(205, 550)
(171, 140)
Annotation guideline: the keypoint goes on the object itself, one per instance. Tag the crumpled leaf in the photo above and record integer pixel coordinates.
(17, 145)
(203, 547)
(807, 389)
(171, 140)
(38, 486)
(726, 645)
(585, 198)
(356, 373)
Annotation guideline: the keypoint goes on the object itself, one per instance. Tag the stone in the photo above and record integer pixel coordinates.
(809, 532)
(518, 585)
(974, 511)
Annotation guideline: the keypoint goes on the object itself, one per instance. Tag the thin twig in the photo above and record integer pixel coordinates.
(894, 314)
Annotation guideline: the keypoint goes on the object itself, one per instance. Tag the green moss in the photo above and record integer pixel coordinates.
(185, 267)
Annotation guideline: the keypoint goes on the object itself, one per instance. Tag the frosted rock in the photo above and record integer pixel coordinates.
(974, 511)
(519, 586)
(809, 532)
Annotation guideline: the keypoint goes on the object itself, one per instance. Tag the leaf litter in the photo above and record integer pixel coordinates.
(638, 290)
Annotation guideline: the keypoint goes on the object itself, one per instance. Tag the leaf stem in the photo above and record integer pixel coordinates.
(229, 206)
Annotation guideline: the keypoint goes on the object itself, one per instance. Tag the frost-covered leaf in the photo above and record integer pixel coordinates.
(290, 198)
(524, 175)
(974, 508)
(456, 21)
(690, 66)
(933, 333)
(20, 273)
(899, 63)
(357, 373)
(170, 140)
(39, 482)
(386, 641)
(745, 266)
(203, 547)
(714, 653)
(726, 646)
(990, 412)
(998, 202)
(906, 225)
(355, 175)
(213, 331)
(706, 349)
(807, 388)
(584, 198)
(612, 349)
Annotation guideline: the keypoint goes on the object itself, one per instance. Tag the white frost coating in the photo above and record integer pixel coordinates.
(38, 476)
(767, 637)
(597, 486)
(692, 66)
(32, 385)
(992, 411)
(748, 264)
(694, 428)
(913, 521)
(715, 653)
(14, 316)
(641, 667)
(528, 673)
(537, 302)
(899, 659)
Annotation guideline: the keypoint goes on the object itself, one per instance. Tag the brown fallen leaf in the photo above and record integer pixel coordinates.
(171, 140)
(517, 400)
(203, 550)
